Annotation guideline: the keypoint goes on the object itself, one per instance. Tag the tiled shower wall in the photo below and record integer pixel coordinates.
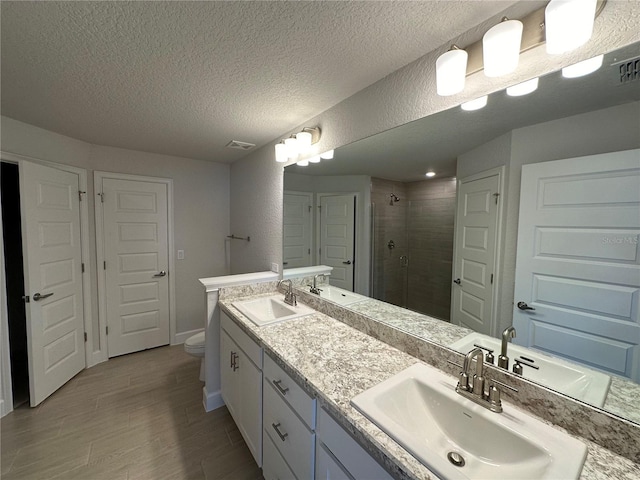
(421, 225)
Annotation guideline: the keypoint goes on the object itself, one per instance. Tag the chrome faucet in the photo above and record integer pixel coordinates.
(475, 391)
(507, 335)
(289, 296)
(314, 288)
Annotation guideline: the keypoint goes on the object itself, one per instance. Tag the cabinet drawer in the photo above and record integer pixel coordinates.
(301, 402)
(346, 450)
(251, 348)
(273, 465)
(291, 437)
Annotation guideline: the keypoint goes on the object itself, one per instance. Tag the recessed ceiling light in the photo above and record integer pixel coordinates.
(583, 68)
(430, 174)
(523, 88)
(476, 104)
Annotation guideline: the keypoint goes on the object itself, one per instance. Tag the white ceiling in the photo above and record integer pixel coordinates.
(185, 78)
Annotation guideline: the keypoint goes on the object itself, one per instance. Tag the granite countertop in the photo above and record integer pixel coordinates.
(335, 362)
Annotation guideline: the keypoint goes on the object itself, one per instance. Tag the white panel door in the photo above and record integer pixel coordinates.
(136, 251)
(337, 237)
(578, 260)
(53, 266)
(297, 230)
(476, 235)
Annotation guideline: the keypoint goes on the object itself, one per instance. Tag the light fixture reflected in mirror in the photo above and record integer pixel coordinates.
(476, 104)
(328, 155)
(315, 159)
(523, 88)
(303, 163)
(451, 71)
(583, 68)
(568, 24)
(501, 48)
(430, 174)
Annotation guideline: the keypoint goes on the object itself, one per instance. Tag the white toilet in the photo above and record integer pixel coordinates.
(194, 346)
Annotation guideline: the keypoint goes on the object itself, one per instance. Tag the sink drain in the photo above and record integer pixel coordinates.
(456, 459)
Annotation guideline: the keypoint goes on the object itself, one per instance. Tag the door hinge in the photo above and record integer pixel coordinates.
(101, 195)
(82, 264)
(80, 193)
(309, 208)
(107, 329)
(492, 279)
(104, 265)
(25, 298)
(85, 336)
(496, 195)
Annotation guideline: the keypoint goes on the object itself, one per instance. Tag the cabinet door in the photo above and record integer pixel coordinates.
(327, 467)
(229, 384)
(249, 379)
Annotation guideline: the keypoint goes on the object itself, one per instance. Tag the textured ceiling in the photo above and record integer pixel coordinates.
(185, 78)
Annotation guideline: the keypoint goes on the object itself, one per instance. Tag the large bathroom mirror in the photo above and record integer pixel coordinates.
(399, 227)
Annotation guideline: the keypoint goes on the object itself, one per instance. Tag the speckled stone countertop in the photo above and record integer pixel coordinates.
(335, 362)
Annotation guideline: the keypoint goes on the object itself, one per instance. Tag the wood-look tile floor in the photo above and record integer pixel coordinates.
(139, 416)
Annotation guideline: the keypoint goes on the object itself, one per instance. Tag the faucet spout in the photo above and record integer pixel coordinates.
(314, 288)
(478, 379)
(507, 335)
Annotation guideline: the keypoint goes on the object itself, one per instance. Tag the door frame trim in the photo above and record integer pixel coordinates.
(312, 237)
(98, 177)
(92, 357)
(497, 258)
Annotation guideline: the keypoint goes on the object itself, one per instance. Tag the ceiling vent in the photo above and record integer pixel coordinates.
(240, 145)
(628, 72)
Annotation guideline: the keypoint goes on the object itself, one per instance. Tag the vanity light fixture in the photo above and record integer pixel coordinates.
(328, 155)
(501, 48)
(297, 144)
(430, 174)
(451, 71)
(523, 88)
(281, 153)
(315, 159)
(583, 68)
(476, 104)
(303, 163)
(568, 24)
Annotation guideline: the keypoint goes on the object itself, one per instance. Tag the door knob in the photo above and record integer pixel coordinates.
(457, 281)
(161, 273)
(38, 296)
(524, 306)
(348, 262)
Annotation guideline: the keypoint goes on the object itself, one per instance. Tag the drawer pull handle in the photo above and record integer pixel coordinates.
(277, 383)
(276, 427)
(234, 361)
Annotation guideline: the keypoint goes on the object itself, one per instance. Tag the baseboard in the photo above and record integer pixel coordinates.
(181, 337)
(2, 412)
(212, 400)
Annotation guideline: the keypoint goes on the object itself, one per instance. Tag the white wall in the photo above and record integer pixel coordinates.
(403, 96)
(360, 184)
(608, 130)
(201, 206)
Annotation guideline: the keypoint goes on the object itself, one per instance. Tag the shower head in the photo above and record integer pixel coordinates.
(394, 199)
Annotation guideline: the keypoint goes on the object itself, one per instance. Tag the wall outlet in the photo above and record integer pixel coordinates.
(275, 268)
(180, 254)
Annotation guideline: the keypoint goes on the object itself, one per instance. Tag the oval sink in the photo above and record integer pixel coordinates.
(577, 381)
(340, 296)
(456, 438)
(267, 310)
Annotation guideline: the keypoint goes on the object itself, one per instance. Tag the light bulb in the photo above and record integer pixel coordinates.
(328, 155)
(315, 159)
(523, 88)
(281, 153)
(451, 72)
(501, 48)
(476, 104)
(583, 68)
(568, 24)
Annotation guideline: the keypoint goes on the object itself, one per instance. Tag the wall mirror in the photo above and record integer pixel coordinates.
(398, 228)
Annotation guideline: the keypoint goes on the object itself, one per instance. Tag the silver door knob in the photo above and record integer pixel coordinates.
(457, 281)
(348, 262)
(38, 296)
(161, 273)
(524, 306)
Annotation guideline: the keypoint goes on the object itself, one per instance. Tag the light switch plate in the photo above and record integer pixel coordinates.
(180, 254)
(275, 268)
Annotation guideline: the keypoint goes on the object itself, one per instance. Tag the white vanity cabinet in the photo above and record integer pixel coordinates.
(339, 456)
(289, 426)
(241, 379)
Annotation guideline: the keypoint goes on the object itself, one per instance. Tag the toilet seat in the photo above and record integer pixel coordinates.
(194, 345)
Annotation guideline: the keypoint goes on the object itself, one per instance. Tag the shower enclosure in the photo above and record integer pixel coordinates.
(412, 244)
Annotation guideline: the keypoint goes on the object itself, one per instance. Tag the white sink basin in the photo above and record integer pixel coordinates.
(420, 409)
(572, 379)
(268, 310)
(339, 295)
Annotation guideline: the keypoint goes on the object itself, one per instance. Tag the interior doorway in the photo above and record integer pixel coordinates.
(17, 320)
